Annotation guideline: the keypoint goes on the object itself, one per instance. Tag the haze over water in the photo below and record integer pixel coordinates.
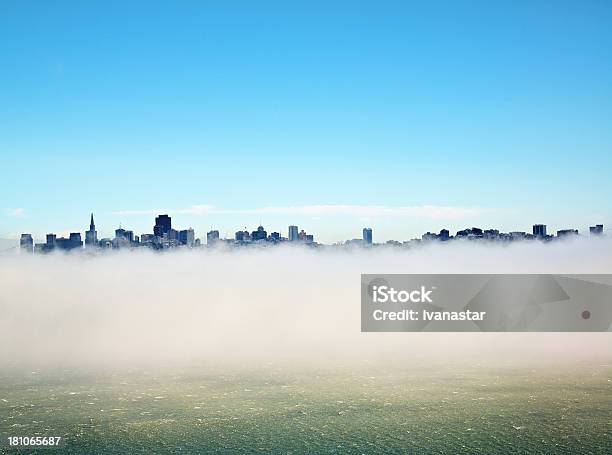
(251, 307)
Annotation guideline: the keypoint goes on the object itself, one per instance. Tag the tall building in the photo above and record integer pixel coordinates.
(596, 230)
(26, 243)
(51, 241)
(367, 236)
(72, 242)
(212, 237)
(293, 234)
(304, 237)
(259, 234)
(91, 236)
(75, 240)
(539, 230)
(163, 225)
(124, 234)
(187, 237)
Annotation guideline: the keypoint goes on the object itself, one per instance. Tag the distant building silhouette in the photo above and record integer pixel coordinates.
(539, 230)
(186, 237)
(367, 236)
(242, 236)
(51, 240)
(128, 236)
(91, 236)
(596, 230)
(72, 242)
(293, 233)
(306, 238)
(212, 237)
(259, 234)
(567, 232)
(163, 225)
(26, 243)
(470, 233)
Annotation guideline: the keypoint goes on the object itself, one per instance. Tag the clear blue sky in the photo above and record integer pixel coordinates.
(124, 108)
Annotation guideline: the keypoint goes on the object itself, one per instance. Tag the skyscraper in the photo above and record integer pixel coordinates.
(91, 236)
(163, 224)
(187, 237)
(26, 244)
(51, 241)
(539, 230)
(293, 233)
(367, 236)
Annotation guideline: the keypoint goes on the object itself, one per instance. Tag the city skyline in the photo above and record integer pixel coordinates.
(164, 236)
(224, 233)
(489, 115)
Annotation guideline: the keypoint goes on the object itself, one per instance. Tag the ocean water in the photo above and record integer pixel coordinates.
(365, 409)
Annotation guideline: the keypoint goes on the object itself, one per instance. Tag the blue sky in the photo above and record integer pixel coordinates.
(402, 116)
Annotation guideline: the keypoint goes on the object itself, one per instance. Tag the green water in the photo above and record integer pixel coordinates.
(345, 410)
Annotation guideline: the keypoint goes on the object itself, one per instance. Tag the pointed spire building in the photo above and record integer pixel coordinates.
(91, 236)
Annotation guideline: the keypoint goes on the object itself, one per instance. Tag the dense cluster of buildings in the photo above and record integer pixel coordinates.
(538, 233)
(164, 236)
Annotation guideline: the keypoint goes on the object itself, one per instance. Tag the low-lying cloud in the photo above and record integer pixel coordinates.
(251, 306)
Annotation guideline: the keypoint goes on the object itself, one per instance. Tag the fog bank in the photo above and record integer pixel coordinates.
(252, 307)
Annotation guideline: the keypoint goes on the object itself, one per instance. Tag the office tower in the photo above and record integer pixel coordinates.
(26, 243)
(367, 236)
(275, 236)
(91, 236)
(75, 240)
(444, 234)
(293, 233)
(259, 234)
(596, 230)
(51, 241)
(212, 237)
(539, 230)
(172, 235)
(124, 234)
(163, 225)
(70, 243)
(187, 237)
